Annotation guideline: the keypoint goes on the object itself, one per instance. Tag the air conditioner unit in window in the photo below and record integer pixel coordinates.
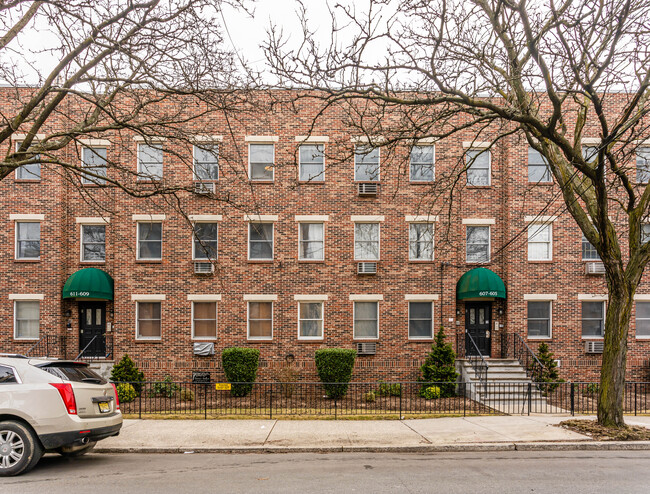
(203, 268)
(366, 348)
(594, 268)
(367, 189)
(366, 268)
(204, 188)
(594, 346)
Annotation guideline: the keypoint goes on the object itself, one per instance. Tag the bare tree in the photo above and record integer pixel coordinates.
(552, 71)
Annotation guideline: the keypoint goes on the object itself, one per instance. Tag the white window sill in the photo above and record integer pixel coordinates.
(26, 339)
(429, 338)
(205, 340)
(539, 338)
(148, 339)
(304, 338)
(593, 337)
(356, 338)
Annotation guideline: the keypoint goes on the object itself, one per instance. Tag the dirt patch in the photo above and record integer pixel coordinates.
(600, 433)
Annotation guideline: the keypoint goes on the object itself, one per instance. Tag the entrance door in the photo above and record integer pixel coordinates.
(92, 324)
(478, 316)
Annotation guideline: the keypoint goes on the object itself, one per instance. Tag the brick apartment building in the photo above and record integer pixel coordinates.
(323, 241)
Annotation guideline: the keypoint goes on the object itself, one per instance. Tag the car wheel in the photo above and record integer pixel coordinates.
(78, 452)
(20, 449)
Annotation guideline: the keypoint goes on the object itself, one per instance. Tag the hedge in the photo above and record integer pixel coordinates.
(240, 366)
(335, 365)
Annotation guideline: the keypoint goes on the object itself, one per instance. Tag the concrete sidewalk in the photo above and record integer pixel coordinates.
(502, 433)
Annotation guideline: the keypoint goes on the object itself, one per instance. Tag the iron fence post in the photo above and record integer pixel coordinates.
(530, 396)
(401, 390)
(140, 403)
(573, 399)
(464, 399)
(205, 401)
(271, 403)
(635, 399)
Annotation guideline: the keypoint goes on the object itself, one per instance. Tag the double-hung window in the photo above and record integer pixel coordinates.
(645, 233)
(366, 241)
(29, 171)
(477, 244)
(478, 162)
(260, 241)
(150, 241)
(28, 240)
(366, 320)
(260, 320)
(206, 162)
(421, 241)
(148, 320)
(589, 252)
(643, 165)
(420, 320)
(310, 320)
(643, 319)
(206, 241)
(150, 161)
(312, 163)
(366, 163)
(261, 162)
(93, 243)
(422, 164)
(539, 318)
(311, 242)
(593, 319)
(204, 320)
(93, 159)
(590, 153)
(540, 242)
(26, 319)
(538, 169)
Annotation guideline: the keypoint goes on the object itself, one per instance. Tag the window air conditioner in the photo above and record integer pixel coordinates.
(203, 268)
(366, 348)
(594, 346)
(204, 188)
(368, 189)
(594, 268)
(366, 268)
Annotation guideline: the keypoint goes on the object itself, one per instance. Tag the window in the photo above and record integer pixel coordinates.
(645, 233)
(7, 375)
(643, 165)
(94, 160)
(590, 153)
(366, 241)
(593, 319)
(538, 169)
(260, 320)
(27, 319)
(150, 161)
(540, 242)
(206, 162)
(93, 243)
(310, 320)
(31, 171)
(28, 240)
(366, 164)
(589, 252)
(539, 319)
(366, 320)
(260, 241)
(148, 320)
(478, 244)
(478, 166)
(205, 241)
(261, 162)
(312, 163)
(204, 320)
(421, 241)
(643, 319)
(150, 241)
(422, 164)
(420, 320)
(311, 242)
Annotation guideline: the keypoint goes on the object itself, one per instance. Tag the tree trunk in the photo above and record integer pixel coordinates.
(612, 373)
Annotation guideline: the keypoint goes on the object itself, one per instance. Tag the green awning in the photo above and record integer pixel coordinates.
(89, 283)
(480, 283)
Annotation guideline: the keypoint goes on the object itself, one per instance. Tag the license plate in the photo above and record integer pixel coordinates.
(104, 407)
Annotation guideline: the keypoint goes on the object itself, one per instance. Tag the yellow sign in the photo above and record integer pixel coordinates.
(222, 386)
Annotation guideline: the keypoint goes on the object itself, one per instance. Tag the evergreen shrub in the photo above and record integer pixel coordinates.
(240, 366)
(334, 366)
(439, 367)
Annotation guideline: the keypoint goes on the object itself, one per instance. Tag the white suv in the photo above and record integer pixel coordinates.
(52, 405)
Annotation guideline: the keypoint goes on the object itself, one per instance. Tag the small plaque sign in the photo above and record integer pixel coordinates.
(201, 377)
(222, 386)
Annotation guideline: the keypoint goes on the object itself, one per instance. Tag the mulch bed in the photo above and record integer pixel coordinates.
(600, 433)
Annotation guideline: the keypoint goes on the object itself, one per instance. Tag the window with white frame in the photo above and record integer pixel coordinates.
(150, 161)
(593, 319)
(148, 319)
(260, 320)
(28, 240)
(420, 320)
(366, 241)
(538, 169)
(539, 319)
(421, 241)
(27, 315)
(206, 162)
(260, 241)
(589, 252)
(29, 171)
(366, 320)
(422, 164)
(310, 320)
(204, 320)
(261, 162)
(366, 163)
(93, 159)
(311, 242)
(477, 244)
(590, 153)
(643, 319)
(150, 241)
(477, 162)
(645, 233)
(206, 241)
(93, 243)
(540, 242)
(643, 165)
(312, 163)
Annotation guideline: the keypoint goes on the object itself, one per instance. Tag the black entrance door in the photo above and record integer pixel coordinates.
(478, 316)
(92, 328)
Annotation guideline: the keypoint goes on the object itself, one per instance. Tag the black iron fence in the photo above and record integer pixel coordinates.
(380, 400)
(48, 346)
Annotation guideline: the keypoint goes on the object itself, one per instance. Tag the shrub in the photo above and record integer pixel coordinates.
(126, 392)
(590, 389)
(286, 376)
(187, 395)
(370, 397)
(431, 393)
(240, 366)
(165, 388)
(386, 389)
(334, 365)
(549, 373)
(126, 371)
(439, 367)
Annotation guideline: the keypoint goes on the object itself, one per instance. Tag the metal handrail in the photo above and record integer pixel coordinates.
(534, 368)
(86, 347)
(480, 366)
(40, 340)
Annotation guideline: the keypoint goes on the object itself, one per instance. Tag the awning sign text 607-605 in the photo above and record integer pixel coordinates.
(487, 294)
